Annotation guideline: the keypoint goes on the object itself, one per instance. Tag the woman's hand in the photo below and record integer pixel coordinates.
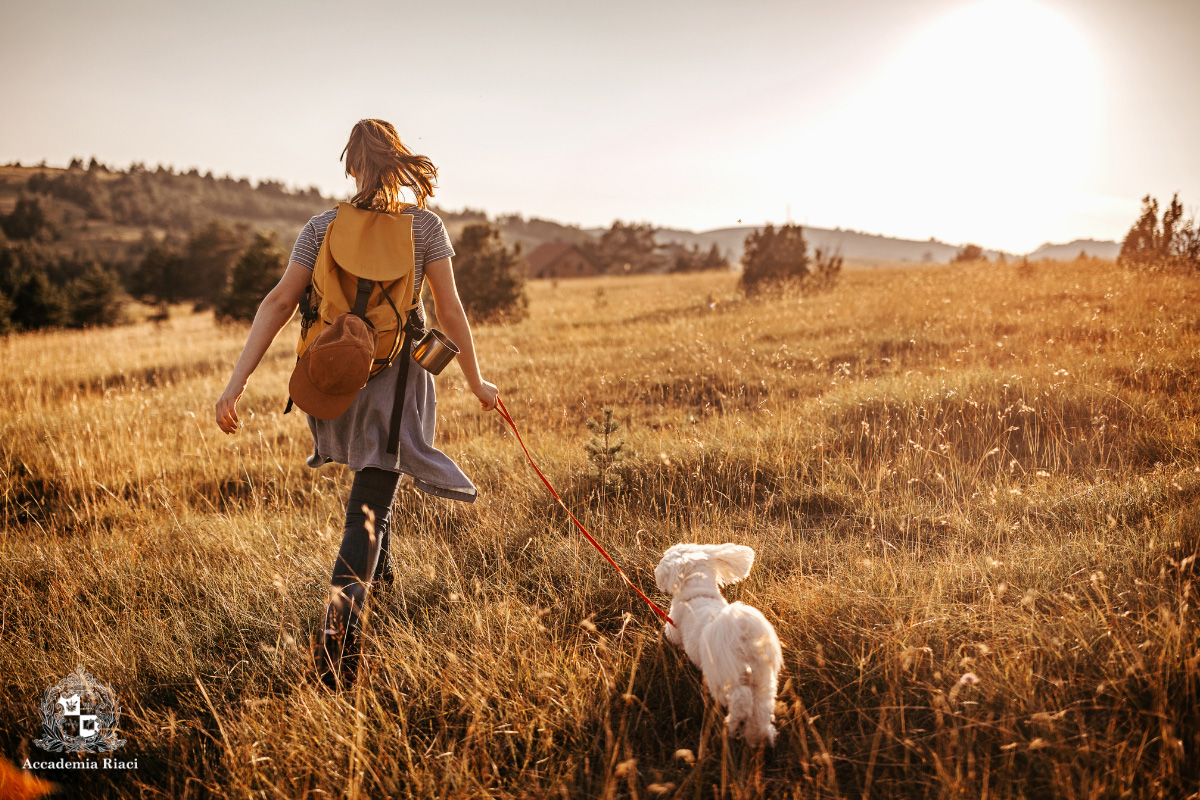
(487, 393)
(227, 419)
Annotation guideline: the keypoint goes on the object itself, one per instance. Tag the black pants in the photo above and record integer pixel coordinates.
(363, 556)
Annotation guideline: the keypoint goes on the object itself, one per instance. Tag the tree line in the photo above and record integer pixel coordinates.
(221, 265)
(226, 267)
(174, 200)
(54, 273)
(41, 287)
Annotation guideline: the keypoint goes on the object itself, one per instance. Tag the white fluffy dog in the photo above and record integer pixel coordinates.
(733, 644)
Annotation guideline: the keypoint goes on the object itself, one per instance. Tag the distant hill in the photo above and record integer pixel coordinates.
(849, 243)
(530, 233)
(1089, 247)
(857, 245)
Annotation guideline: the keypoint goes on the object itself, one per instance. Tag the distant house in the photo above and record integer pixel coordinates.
(560, 260)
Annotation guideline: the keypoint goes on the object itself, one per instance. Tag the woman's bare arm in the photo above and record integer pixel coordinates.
(453, 319)
(273, 313)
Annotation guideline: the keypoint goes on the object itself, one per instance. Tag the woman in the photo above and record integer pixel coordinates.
(381, 167)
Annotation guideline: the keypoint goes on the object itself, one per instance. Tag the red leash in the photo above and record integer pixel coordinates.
(508, 418)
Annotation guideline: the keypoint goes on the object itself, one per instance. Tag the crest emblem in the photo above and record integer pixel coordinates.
(80, 715)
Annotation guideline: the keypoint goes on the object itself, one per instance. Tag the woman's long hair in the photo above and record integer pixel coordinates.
(383, 166)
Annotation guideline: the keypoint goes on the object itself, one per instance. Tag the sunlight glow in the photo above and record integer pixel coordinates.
(1010, 86)
(984, 126)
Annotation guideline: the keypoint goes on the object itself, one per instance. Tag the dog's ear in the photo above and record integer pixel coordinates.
(731, 562)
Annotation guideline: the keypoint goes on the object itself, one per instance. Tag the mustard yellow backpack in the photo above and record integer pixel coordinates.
(366, 266)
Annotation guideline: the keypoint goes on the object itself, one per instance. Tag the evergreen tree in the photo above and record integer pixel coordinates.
(1172, 243)
(1187, 245)
(33, 285)
(39, 303)
(969, 252)
(685, 260)
(604, 450)
(628, 248)
(211, 253)
(158, 276)
(1172, 223)
(6, 309)
(11, 272)
(715, 259)
(489, 282)
(96, 298)
(773, 257)
(26, 220)
(693, 259)
(255, 274)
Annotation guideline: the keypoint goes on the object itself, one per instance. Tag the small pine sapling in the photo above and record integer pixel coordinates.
(604, 450)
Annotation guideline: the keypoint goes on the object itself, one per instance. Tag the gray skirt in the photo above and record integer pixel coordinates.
(358, 438)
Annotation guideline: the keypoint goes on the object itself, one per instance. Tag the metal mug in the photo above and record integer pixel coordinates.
(434, 351)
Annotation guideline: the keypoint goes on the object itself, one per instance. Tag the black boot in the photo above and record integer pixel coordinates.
(337, 646)
(384, 576)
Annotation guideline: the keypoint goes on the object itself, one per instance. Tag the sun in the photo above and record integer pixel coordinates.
(1000, 96)
(1011, 84)
(990, 111)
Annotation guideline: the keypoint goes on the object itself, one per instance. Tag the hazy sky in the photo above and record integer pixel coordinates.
(1003, 122)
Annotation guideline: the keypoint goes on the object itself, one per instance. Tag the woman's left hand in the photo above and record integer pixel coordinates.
(227, 419)
(487, 393)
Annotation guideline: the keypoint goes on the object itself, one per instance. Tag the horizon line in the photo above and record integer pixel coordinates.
(296, 189)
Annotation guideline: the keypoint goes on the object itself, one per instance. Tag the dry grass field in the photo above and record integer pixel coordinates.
(984, 470)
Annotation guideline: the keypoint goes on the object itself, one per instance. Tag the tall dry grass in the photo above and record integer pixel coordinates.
(946, 472)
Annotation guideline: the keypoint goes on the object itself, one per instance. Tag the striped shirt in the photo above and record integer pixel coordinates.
(430, 240)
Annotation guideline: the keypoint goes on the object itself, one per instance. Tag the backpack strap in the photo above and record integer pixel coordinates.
(308, 315)
(308, 310)
(400, 329)
(412, 329)
(365, 287)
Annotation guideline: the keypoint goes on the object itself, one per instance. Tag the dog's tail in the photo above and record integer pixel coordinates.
(738, 642)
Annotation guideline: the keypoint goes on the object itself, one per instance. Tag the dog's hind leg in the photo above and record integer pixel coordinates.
(759, 729)
(740, 704)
